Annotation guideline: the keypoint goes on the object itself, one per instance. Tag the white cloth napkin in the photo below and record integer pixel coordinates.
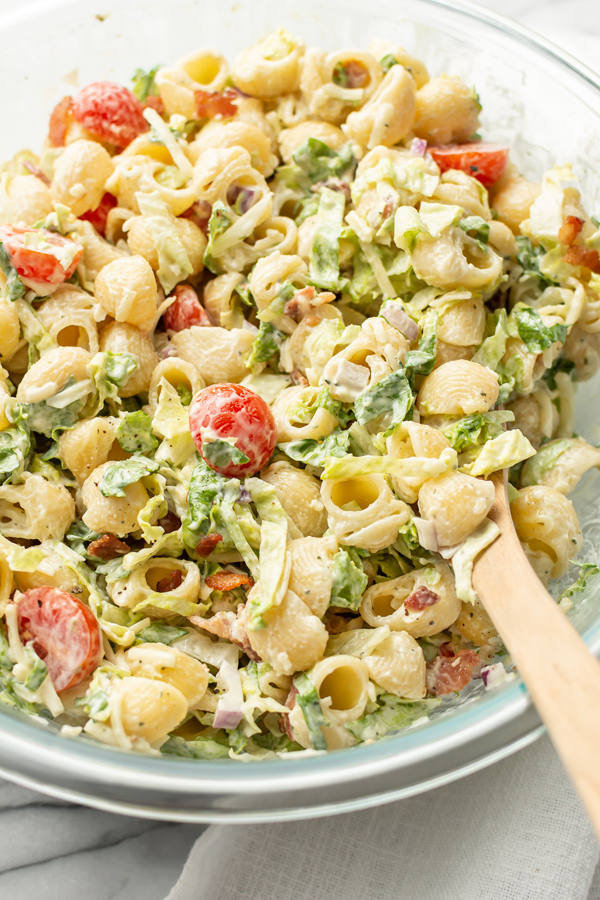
(515, 831)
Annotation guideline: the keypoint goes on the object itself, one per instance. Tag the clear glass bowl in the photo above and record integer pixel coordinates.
(536, 98)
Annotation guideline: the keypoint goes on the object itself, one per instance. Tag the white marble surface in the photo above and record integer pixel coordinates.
(50, 850)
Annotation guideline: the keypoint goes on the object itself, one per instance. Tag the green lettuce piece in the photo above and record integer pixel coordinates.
(530, 256)
(308, 701)
(49, 420)
(304, 412)
(240, 525)
(476, 429)
(38, 673)
(79, 536)
(544, 460)
(588, 570)
(277, 743)
(318, 162)
(387, 62)
(14, 286)
(502, 452)
(431, 220)
(273, 542)
(204, 491)
(329, 336)
(316, 453)
(267, 385)
(97, 705)
(285, 293)
(110, 372)
(324, 270)
(154, 509)
(464, 558)
(199, 748)
(422, 361)
(420, 466)
(185, 394)
(171, 604)
(349, 579)
(134, 433)
(5, 658)
(493, 347)
(536, 336)
(220, 220)
(559, 365)
(510, 377)
(266, 344)
(392, 395)
(144, 85)
(173, 261)
(221, 452)
(477, 228)
(119, 475)
(15, 446)
(159, 633)
(358, 642)
(391, 714)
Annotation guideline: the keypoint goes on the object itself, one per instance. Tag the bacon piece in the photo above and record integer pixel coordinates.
(227, 581)
(284, 720)
(169, 523)
(200, 213)
(569, 230)
(37, 172)
(229, 626)
(420, 599)
(446, 649)
(60, 118)
(356, 73)
(156, 103)
(298, 378)
(170, 582)
(305, 300)
(208, 544)
(451, 673)
(581, 256)
(108, 547)
(213, 104)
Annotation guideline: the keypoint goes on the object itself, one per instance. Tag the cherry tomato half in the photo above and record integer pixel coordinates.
(44, 259)
(110, 112)
(225, 411)
(186, 311)
(486, 162)
(64, 633)
(60, 118)
(99, 215)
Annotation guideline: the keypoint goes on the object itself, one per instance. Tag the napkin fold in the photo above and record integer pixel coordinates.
(515, 831)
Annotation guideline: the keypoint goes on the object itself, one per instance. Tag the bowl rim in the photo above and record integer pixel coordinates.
(100, 765)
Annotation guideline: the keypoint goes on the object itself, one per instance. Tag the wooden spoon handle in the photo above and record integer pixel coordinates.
(561, 674)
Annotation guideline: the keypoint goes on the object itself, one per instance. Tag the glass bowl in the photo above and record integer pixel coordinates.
(536, 98)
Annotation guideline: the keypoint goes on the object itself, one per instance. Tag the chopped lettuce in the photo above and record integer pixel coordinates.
(502, 452)
(349, 579)
(411, 466)
(144, 85)
(536, 336)
(358, 642)
(422, 361)
(15, 446)
(464, 558)
(431, 220)
(50, 421)
(493, 347)
(220, 452)
(270, 589)
(119, 475)
(329, 336)
(204, 491)
(476, 429)
(544, 460)
(390, 395)
(174, 263)
(530, 256)
(559, 365)
(477, 228)
(134, 433)
(308, 701)
(267, 343)
(110, 372)
(324, 268)
(316, 453)
(267, 385)
(315, 161)
(391, 713)
(14, 287)
(587, 571)
(199, 748)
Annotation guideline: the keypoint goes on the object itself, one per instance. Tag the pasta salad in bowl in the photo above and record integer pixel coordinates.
(267, 328)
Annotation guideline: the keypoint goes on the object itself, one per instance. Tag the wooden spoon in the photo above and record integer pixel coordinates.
(561, 674)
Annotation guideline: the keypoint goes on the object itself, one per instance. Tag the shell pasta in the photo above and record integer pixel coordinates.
(267, 328)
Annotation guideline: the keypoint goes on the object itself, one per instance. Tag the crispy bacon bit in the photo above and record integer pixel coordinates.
(200, 213)
(446, 649)
(37, 172)
(229, 626)
(228, 581)
(108, 547)
(388, 209)
(170, 582)
(451, 673)
(581, 256)
(356, 74)
(305, 300)
(569, 230)
(298, 378)
(214, 104)
(420, 599)
(60, 118)
(284, 720)
(156, 103)
(170, 523)
(208, 544)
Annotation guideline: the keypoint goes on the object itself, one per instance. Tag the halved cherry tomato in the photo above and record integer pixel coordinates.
(110, 112)
(186, 311)
(485, 162)
(64, 633)
(213, 104)
(60, 117)
(451, 673)
(39, 264)
(224, 411)
(99, 215)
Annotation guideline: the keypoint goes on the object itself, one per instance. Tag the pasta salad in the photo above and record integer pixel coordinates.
(265, 333)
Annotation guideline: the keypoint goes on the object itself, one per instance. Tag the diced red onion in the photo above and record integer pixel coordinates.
(492, 675)
(168, 351)
(427, 534)
(244, 496)
(227, 718)
(418, 147)
(396, 316)
(229, 707)
(243, 197)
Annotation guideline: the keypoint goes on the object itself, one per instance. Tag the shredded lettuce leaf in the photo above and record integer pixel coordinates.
(324, 268)
(316, 453)
(391, 713)
(349, 579)
(134, 433)
(502, 452)
(308, 701)
(119, 475)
